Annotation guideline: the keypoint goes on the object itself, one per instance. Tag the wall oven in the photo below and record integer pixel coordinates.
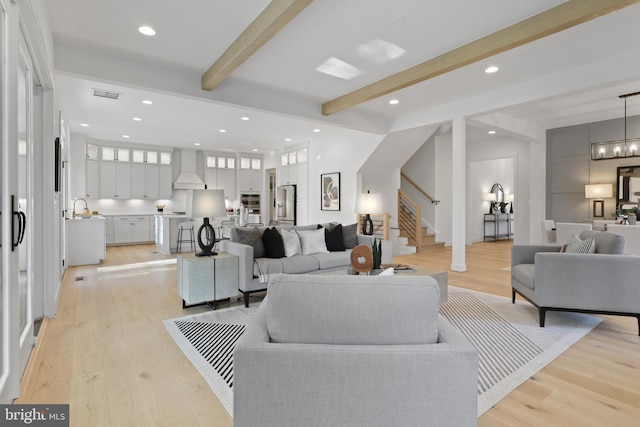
(251, 202)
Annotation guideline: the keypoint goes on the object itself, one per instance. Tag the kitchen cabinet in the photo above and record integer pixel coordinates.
(220, 174)
(86, 241)
(250, 174)
(250, 180)
(115, 180)
(92, 182)
(131, 229)
(164, 182)
(144, 181)
(109, 230)
(166, 232)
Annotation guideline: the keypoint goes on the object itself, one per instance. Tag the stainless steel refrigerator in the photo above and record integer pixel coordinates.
(286, 204)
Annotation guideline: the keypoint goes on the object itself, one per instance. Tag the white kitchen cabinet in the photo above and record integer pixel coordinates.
(131, 229)
(86, 241)
(164, 182)
(115, 180)
(221, 179)
(109, 231)
(144, 181)
(250, 180)
(92, 179)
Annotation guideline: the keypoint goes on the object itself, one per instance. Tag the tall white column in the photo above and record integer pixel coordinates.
(459, 194)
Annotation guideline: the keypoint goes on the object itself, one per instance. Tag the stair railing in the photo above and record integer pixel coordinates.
(417, 187)
(381, 224)
(410, 218)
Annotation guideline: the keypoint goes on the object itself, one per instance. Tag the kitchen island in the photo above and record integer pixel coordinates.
(86, 242)
(167, 232)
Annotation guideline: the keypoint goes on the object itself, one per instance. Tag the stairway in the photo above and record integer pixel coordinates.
(428, 241)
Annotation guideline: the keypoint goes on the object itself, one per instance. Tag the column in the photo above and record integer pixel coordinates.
(459, 194)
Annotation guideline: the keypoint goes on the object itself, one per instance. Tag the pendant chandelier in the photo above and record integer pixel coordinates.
(620, 148)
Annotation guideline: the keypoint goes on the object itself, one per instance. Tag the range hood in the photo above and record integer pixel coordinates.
(187, 178)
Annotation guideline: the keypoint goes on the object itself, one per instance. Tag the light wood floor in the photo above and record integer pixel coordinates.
(108, 355)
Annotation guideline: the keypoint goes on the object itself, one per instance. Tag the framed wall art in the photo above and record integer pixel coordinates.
(330, 191)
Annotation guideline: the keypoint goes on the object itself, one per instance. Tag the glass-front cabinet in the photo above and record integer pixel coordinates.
(127, 173)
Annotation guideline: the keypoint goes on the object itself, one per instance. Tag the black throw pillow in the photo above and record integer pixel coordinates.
(334, 239)
(273, 243)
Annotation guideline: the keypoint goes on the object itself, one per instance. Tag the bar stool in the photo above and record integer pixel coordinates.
(189, 238)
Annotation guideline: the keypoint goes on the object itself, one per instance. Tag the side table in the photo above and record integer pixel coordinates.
(205, 280)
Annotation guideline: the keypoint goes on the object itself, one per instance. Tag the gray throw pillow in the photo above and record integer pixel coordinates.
(350, 236)
(251, 236)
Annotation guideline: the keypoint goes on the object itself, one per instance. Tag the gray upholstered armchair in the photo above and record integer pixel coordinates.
(353, 351)
(604, 282)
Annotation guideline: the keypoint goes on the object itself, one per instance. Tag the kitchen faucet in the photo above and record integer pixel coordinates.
(86, 208)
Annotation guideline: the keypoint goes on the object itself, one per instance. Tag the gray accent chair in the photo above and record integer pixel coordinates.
(353, 351)
(605, 282)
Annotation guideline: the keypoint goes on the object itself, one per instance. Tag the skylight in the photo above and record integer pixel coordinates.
(338, 68)
(380, 51)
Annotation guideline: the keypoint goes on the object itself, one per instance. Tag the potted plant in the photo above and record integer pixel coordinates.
(376, 248)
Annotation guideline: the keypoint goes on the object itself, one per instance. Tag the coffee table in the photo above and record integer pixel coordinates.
(442, 277)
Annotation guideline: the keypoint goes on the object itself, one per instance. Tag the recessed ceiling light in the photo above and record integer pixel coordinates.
(137, 119)
(491, 69)
(491, 132)
(222, 130)
(338, 68)
(147, 31)
(125, 136)
(394, 102)
(196, 143)
(245, 118)
(288, 139)
(148, 102)
(255, 149)
(316, 130)
(380, 51)
(84, 125)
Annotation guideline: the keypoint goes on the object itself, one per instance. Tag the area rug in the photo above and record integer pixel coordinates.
(511, 345)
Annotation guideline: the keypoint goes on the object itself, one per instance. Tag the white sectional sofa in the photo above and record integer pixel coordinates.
(255, 266)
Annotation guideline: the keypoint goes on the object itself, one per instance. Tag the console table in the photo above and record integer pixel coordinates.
(497, 226)
(205, 280)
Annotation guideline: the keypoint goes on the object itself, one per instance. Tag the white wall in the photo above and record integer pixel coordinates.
(499, 149)
(482, 175)
(443, 189)
(344, 153)
(421, 169)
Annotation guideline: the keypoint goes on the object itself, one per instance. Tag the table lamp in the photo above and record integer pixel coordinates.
(207, 204)
(367, 204)
(598, 192)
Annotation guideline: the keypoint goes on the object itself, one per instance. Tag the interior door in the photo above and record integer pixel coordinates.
(23, 213)
(7, 380)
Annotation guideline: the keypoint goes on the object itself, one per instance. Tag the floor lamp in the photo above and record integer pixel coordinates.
(207, 204)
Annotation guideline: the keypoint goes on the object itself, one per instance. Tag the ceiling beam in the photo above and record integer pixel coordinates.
(272, 19)
(551, 21)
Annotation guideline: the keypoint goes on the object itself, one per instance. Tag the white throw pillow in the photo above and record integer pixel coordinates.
(291, 242)
(312, 242)
(577, 246)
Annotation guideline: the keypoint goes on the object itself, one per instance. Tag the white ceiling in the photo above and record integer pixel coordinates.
(568, 78)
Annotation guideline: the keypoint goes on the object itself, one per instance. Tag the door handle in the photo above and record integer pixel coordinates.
(15, 241)
(23, 225)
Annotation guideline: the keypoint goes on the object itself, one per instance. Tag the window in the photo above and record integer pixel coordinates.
(152, 157)
(137, 156)
(165, 158)
(211, 161)
(92, 151)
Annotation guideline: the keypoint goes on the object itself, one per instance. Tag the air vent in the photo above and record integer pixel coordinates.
(106, 94)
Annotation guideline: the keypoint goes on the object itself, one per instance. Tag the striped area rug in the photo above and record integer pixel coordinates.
(511, 345)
